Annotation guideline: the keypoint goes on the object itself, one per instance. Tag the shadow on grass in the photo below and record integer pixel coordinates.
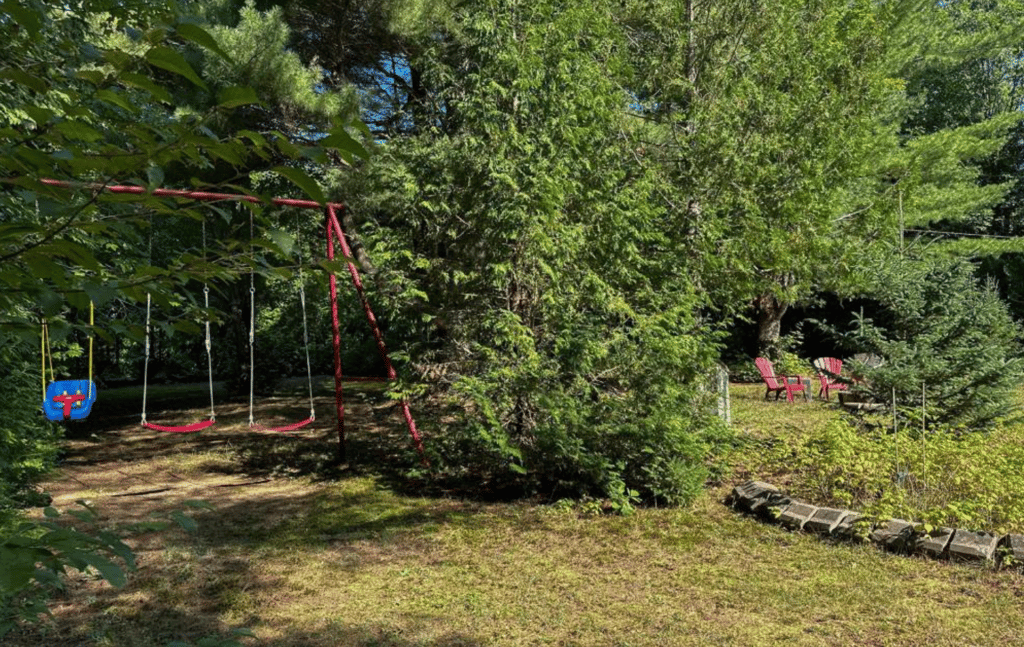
(377, 441)
(156, 625)
(190, 582)
(339, 634)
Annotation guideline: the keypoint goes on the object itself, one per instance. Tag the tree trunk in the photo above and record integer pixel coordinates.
(770, 311)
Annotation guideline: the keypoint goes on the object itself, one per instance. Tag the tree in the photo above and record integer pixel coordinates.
(781, 131)
(939, 331)
(104, 114)
(557, 320)
(376, 46)
(767, 122)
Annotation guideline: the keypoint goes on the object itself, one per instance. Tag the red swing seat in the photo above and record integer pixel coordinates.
(284, 428)
(182, 429)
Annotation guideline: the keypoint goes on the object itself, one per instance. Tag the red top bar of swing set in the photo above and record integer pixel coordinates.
(194, 195)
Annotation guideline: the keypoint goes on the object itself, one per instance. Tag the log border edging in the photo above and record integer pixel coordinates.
(770, 504)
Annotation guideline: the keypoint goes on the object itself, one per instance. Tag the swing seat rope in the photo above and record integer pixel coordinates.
(179, 429)
(255, 426)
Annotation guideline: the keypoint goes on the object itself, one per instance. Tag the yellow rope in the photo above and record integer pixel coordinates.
(47, 355)
(42, 356)
(92, 310)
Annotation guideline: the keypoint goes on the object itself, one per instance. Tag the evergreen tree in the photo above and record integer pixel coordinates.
(942, 334)
(559, 321)
(785, 136)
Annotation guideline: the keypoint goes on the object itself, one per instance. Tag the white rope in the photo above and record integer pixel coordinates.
(149, 301)
(145, 370)
(209, 339)
(305, 325)
(209, 351)
(305, 339)
(252, 329)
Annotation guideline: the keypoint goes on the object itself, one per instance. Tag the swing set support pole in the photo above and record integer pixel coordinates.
(336, 230)
(339, 401)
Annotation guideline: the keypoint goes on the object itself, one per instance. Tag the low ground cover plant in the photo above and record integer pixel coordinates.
(942, 477)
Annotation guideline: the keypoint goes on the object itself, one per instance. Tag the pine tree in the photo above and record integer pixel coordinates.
(559, 324)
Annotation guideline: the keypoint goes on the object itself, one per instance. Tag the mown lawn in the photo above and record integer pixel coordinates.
(306, 561)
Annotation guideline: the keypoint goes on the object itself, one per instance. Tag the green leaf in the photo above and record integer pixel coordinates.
(93, 76)
(154, 176)
(23, 15)
(345, 144)
(50, 303)
(145, 83)
(24, 78)
(118, 100)
(283, 240)
(185, 521)
(51, 512)
(235, 96)
(82, 515)
(259, 140)
(170, 60)
(78, 130)
(100, 295)
(39, 114)
(301, 179)
(18, 566)
(107, 569)
(201, 37)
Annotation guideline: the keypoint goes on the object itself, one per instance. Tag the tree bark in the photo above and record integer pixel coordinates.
(770, 311)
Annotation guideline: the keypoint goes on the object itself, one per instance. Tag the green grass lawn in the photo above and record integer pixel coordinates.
(304, 562)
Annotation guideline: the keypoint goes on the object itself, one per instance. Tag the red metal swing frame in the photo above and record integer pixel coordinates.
(335, 234)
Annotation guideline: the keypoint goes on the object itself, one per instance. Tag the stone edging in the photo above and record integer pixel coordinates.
(768, 503)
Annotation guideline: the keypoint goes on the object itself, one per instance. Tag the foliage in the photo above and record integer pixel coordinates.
(943, 479)
(768, 125)
(795, 138)
(37, 553)
(106, 115)
(294, 98)
(525, 244)
(940, 329)
(28, 443)
(87, 98)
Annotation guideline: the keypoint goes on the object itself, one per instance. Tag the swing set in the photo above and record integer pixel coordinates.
(73, 399)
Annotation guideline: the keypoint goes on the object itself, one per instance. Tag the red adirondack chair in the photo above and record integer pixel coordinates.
(829, 368)
(778, 383)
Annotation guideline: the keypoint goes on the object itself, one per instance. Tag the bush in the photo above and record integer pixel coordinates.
(940, 328)
(37, 553)
(28, 442)
(967, 480)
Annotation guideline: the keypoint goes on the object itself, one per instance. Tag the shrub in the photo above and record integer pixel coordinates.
(28, 443)
(967, 480)
(940, 328)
